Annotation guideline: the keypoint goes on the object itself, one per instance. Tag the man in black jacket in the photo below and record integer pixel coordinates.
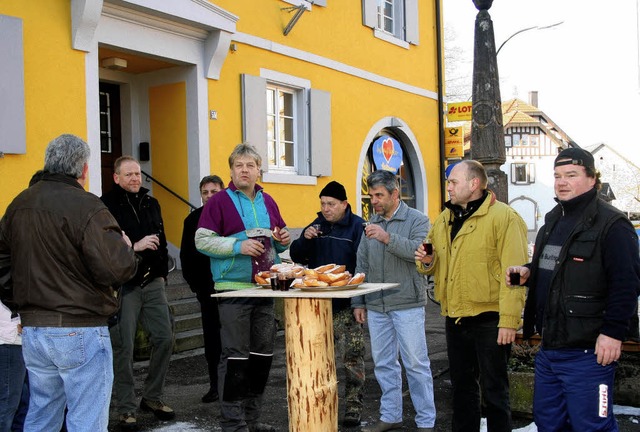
(143, 297)
(196, 270)
(584, 282)
(66, 255)
(333, 238)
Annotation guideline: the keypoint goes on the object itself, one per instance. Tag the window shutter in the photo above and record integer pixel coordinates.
(322, 3)
(320, 132)
(12, 109)
(513, 173)
(532, 173)
(412, 33)
(254, 115)
(370, 13)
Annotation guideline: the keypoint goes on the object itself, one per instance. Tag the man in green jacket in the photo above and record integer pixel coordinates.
(474, 240)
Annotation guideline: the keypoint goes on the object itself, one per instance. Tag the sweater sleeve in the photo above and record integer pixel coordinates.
(622, 268)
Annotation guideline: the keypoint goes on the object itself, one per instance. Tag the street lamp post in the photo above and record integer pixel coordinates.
(487, 133)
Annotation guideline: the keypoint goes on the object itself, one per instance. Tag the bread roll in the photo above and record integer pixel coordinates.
(324, 268)
(261, 280)
(339, 283)
(338, 269)
(357, 279)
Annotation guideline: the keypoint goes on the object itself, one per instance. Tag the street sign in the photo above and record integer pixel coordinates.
(459, 111)
(453, 142)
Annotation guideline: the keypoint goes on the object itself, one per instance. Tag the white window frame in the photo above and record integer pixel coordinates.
(298, 99)
(312, 128)
(530, 173)
(405, 21)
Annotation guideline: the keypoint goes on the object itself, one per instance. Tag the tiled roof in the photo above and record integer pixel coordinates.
(517, 117)
(518, 105)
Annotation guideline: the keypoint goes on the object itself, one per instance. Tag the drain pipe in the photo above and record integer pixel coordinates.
(439, 53)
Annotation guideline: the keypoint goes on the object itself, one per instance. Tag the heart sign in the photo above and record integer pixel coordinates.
(387, 153)
(387, 149)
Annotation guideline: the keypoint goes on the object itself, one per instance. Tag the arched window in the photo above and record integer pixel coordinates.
(404, 175)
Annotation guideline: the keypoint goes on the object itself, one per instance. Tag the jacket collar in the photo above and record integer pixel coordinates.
(479, 206)
(62, 178)
(122, 193)
(257, 188)
(401, 213)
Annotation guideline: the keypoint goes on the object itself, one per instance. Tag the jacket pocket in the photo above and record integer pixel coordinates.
(584, 306)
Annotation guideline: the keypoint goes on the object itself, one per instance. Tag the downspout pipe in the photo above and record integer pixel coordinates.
(440, 66)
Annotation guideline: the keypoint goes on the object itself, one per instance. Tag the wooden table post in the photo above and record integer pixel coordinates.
(311, 367)
(312, 386)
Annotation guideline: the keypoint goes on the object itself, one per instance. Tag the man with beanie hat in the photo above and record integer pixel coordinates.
(584, 282)
(333, 237)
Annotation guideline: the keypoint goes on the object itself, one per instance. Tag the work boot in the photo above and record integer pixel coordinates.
(261, 427)
(351, 418)
(211, 396)
(161, 410)
(128, 422)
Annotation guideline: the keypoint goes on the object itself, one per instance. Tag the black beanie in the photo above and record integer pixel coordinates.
(334, 190)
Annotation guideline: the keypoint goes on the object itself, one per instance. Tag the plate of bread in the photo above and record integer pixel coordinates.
(329, 277)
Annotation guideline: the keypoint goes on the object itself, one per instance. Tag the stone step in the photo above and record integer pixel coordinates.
(178, 292)
(188, 340)
(187, 322)
(184, 306)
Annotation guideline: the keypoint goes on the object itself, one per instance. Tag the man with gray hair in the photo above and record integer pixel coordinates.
(242, 232)
(396, 316)
(67, 253)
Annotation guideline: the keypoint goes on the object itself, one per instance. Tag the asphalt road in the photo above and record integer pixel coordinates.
(187, 381)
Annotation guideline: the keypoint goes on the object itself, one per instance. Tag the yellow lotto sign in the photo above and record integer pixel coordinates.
(459, 111)
(453, 142)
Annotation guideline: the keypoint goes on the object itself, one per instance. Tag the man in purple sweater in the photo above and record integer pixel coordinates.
(241, 230)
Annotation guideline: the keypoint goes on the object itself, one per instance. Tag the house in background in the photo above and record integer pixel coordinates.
(532, 142)
(621, 175)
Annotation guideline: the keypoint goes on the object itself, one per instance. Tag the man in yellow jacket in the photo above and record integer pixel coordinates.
(474, 240)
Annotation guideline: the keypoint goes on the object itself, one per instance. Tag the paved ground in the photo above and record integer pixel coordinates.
(187, 382)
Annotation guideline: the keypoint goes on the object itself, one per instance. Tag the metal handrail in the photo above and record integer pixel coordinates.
(150, 178)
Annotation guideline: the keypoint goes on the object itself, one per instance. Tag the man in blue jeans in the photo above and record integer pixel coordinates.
(396, 316)
(66, 253)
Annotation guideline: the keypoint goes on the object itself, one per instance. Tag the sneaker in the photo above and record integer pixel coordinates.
(161, 410)
(128, 422)
(261, 427)
(351, 418)
(211, 396)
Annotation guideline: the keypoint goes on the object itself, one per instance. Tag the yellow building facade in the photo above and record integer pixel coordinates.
(179, 83)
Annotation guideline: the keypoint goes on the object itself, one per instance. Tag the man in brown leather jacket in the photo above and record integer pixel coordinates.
(67, 253)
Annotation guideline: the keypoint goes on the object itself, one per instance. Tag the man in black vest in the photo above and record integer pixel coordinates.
(196, 270)
(584, 282)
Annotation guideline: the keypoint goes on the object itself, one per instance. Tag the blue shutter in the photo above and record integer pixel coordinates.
(320, 132)
(254, 115)
(412, 33)
(370, 13)
(13, 138)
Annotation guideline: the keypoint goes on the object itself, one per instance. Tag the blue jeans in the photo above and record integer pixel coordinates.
(402, 332)
(567, 392)
(12, 376)
(72, 367)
